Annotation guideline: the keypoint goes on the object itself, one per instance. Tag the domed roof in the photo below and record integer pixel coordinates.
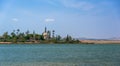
(45, 34)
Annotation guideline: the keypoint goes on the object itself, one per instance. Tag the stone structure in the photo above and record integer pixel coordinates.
(46, 34)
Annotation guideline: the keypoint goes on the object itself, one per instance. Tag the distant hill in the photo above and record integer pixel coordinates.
(91, 39)
(114, 38)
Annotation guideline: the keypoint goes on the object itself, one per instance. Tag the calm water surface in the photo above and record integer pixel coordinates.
(59, 55)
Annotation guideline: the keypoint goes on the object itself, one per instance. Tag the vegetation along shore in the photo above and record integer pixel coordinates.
(47, 36)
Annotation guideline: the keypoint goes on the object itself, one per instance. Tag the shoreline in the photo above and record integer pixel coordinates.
(100, 41)
(81, 42)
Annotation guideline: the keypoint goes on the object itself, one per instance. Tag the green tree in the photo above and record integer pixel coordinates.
(68, 38)
(5, 36)
(27, 32)
(18, 30)
(58, 38)
(13, 34)
(13, 37)
(41, 37)
(22, 37)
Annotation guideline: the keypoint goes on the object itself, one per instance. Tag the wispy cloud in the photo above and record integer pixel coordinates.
(15, 20)
(49, 20)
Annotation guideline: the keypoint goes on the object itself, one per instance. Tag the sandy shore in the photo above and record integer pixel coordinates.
(82, 41)
(5, 42)
(101, 41)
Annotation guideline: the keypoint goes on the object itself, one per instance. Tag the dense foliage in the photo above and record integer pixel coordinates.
(21, 37)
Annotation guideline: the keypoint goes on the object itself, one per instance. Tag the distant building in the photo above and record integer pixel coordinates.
(46, 34)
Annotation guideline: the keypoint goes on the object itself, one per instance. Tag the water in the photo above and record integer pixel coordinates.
(59, 55)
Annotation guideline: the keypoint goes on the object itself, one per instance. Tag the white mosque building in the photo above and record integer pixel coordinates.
(46, 34)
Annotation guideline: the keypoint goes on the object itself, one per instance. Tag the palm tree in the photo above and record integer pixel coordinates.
(27, 32)
(22, 37)
(68, 38)
(13, 34)
(18, 30)
(58, 37)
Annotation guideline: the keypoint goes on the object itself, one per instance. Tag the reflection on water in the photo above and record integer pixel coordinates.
(59, 55)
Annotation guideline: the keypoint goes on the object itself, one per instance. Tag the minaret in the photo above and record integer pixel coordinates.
(49, 34)
(45, 29)
(34, 35)
(45, 34)
(53, 32)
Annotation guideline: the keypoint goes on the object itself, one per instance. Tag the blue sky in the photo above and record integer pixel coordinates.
(78, 18)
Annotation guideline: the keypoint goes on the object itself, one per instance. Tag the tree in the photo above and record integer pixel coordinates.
(58, 37)
(68, 38)
(5, 36)
(30, 36)
(17, 36)
(37, 37)
(13, 37)
(18, 30)
(21, 37)
(27, 37)
(42, 37)
(12, 34)
(27, 32)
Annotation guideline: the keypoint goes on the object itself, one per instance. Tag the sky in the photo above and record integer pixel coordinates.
(78, 18)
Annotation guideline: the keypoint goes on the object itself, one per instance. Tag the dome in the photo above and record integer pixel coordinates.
(45, 34)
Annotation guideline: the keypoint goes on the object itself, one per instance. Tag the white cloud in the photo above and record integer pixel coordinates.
(15, 19)
(49, 20)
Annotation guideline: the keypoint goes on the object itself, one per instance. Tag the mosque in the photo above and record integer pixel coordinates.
(46, 34)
